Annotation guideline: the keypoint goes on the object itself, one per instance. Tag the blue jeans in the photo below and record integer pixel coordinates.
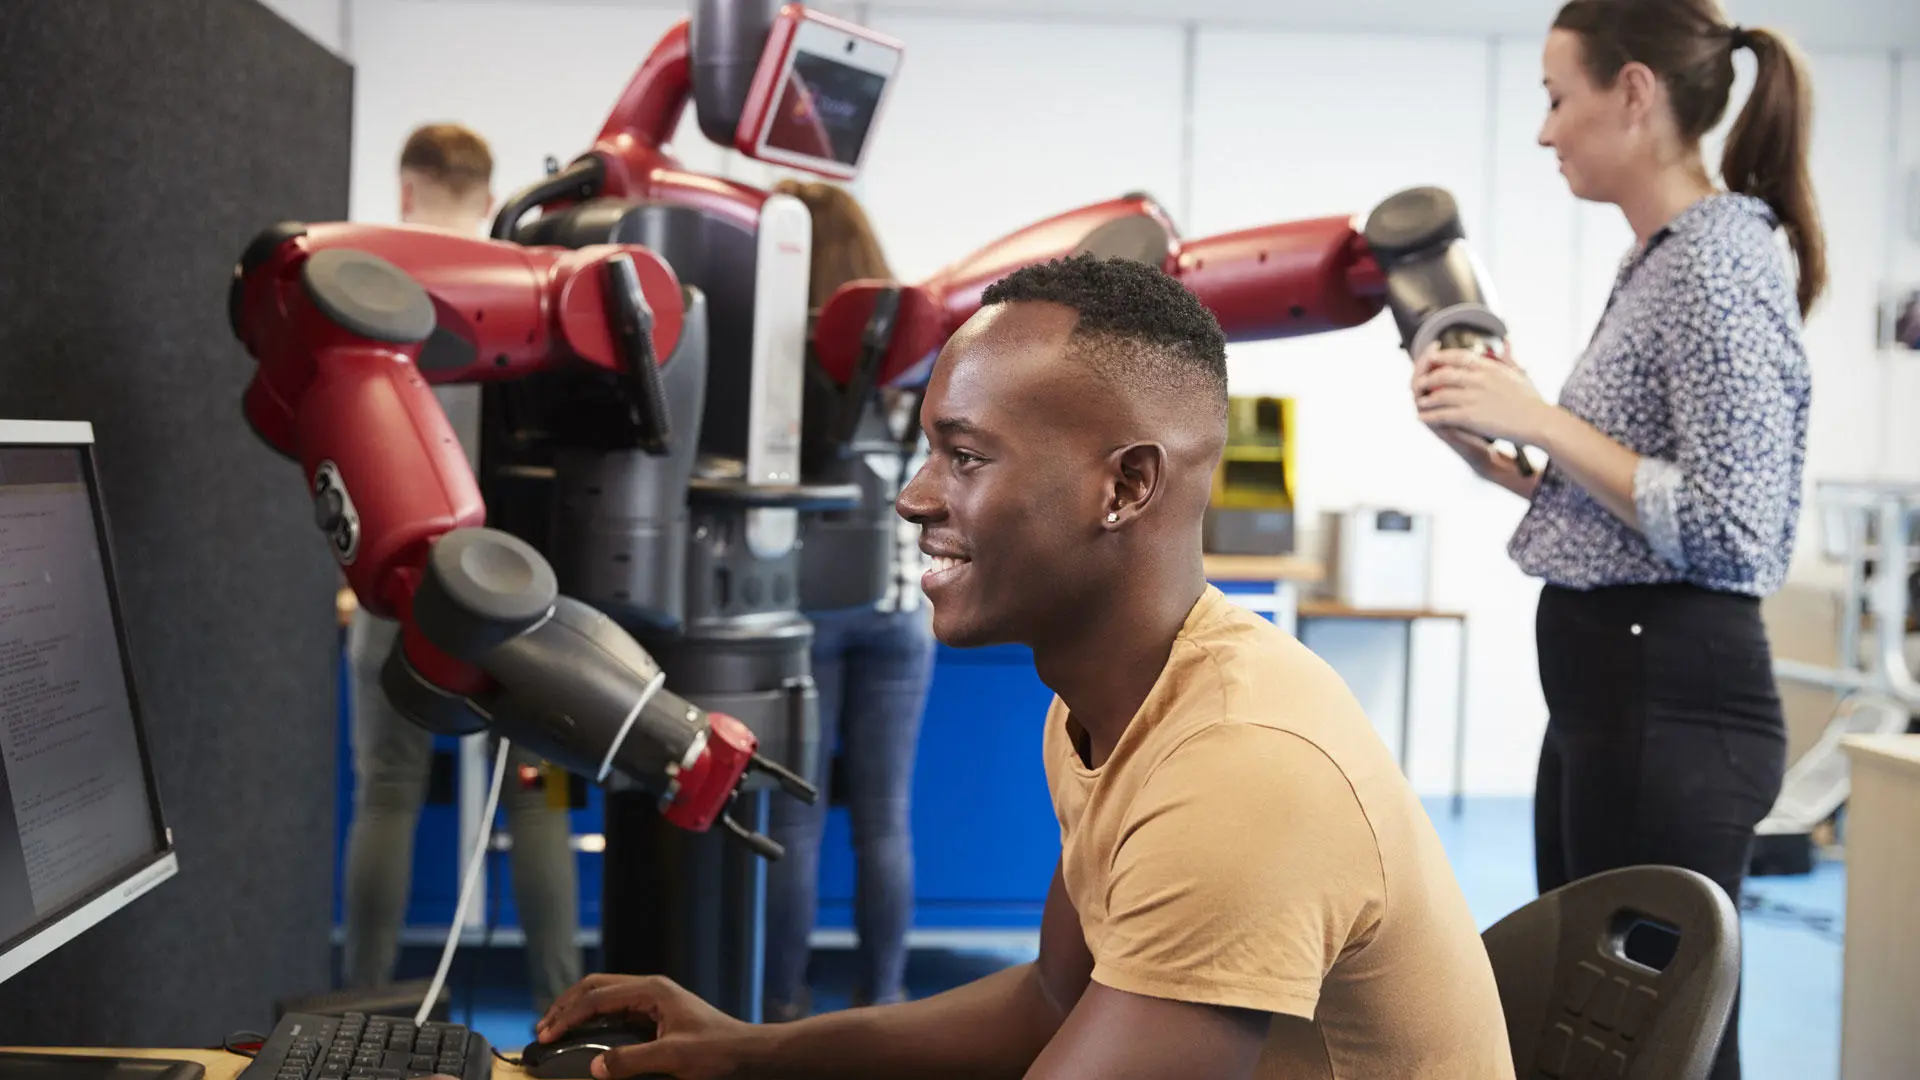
(872, 669)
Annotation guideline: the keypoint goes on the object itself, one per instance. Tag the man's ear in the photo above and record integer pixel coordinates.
(1137, 475)
(406, 197)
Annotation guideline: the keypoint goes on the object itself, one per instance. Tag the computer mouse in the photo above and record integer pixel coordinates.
(570, 1057)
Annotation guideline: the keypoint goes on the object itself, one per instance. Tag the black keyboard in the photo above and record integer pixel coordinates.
(353, 1046)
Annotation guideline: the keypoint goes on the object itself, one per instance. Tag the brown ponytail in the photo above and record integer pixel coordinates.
(1689, 46)
(1766, 153)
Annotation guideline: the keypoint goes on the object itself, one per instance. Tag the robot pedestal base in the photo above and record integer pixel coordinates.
(692, 907)
(684, 905)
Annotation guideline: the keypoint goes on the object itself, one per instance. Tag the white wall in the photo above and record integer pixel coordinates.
(419, 61)
(1899, 422)
(1001, 121)
(1054, 117)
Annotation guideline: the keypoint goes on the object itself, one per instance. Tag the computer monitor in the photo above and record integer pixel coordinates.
(81, 831)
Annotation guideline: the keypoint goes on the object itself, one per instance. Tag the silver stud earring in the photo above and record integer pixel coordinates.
(1112, 516)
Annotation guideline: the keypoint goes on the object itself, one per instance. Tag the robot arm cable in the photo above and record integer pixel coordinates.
(478, 860)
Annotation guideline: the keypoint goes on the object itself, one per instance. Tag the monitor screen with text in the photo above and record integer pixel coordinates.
(77, 815)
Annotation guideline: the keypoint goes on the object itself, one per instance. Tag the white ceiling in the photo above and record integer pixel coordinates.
(1879, 25)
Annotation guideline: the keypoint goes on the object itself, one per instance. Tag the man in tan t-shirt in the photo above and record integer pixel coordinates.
(1248, 888)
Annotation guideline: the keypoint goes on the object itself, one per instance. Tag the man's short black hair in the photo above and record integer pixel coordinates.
(1166, 335)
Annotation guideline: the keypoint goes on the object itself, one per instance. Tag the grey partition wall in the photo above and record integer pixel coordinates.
(144, 142)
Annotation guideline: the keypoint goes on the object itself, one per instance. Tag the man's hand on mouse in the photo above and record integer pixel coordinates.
(696, 1041)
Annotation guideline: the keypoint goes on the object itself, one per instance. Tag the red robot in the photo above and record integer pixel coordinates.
(661, 410)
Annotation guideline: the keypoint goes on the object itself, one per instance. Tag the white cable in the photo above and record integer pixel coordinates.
(653, 687)
(474, 865)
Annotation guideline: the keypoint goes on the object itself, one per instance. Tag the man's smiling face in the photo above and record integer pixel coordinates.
(1010, 486)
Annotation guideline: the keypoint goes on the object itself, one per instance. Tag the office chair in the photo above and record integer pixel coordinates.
(1626, 975)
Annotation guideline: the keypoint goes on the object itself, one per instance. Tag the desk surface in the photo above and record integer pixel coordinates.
(1263, 568)
(219, 1064)
(1902, 752)
(1321, 607)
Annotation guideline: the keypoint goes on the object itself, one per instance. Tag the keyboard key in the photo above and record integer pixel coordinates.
(397, 1059)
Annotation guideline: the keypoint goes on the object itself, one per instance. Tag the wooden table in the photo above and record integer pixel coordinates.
(219, 1064)
(1239, 576)
(1881, 963)
(1320, 607)
(1264, 568)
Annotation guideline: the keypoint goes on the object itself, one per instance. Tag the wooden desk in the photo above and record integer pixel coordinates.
(1881, 962)
(219, 1064)
(1267, 584)
(1323, 607)
(1294, 568)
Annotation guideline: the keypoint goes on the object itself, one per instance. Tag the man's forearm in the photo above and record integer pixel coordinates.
(993, 1027)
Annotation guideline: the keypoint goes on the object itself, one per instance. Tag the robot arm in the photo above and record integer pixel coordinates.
(350, 325)
(1274, 281)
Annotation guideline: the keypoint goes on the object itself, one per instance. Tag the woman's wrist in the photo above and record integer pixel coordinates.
(1547, 428)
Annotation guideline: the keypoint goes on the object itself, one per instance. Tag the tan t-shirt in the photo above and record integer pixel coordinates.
(1250, 843)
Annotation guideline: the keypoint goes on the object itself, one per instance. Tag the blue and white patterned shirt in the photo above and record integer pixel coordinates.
(1698, 366)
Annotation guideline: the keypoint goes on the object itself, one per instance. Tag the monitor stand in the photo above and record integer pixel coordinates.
(88, 1065)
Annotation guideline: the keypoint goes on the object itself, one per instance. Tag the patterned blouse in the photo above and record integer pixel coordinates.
(1698, 366)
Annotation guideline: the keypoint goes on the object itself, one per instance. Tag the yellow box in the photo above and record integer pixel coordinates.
(1256, 471)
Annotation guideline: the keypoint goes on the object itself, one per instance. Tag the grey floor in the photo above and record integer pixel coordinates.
(1792, 926)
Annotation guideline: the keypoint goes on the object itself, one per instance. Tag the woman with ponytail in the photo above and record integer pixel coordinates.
(1671, 494)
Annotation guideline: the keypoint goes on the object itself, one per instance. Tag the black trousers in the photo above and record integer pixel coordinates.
(1665, 738)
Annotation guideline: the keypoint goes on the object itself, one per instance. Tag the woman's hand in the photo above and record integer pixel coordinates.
(1475, 393)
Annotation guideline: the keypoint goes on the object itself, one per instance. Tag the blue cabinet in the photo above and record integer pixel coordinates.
(984, 835)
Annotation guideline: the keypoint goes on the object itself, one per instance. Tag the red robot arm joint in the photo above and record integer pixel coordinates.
(1274, 281)
(351, 326)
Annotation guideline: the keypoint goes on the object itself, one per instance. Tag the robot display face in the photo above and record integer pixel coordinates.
(817, 94)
